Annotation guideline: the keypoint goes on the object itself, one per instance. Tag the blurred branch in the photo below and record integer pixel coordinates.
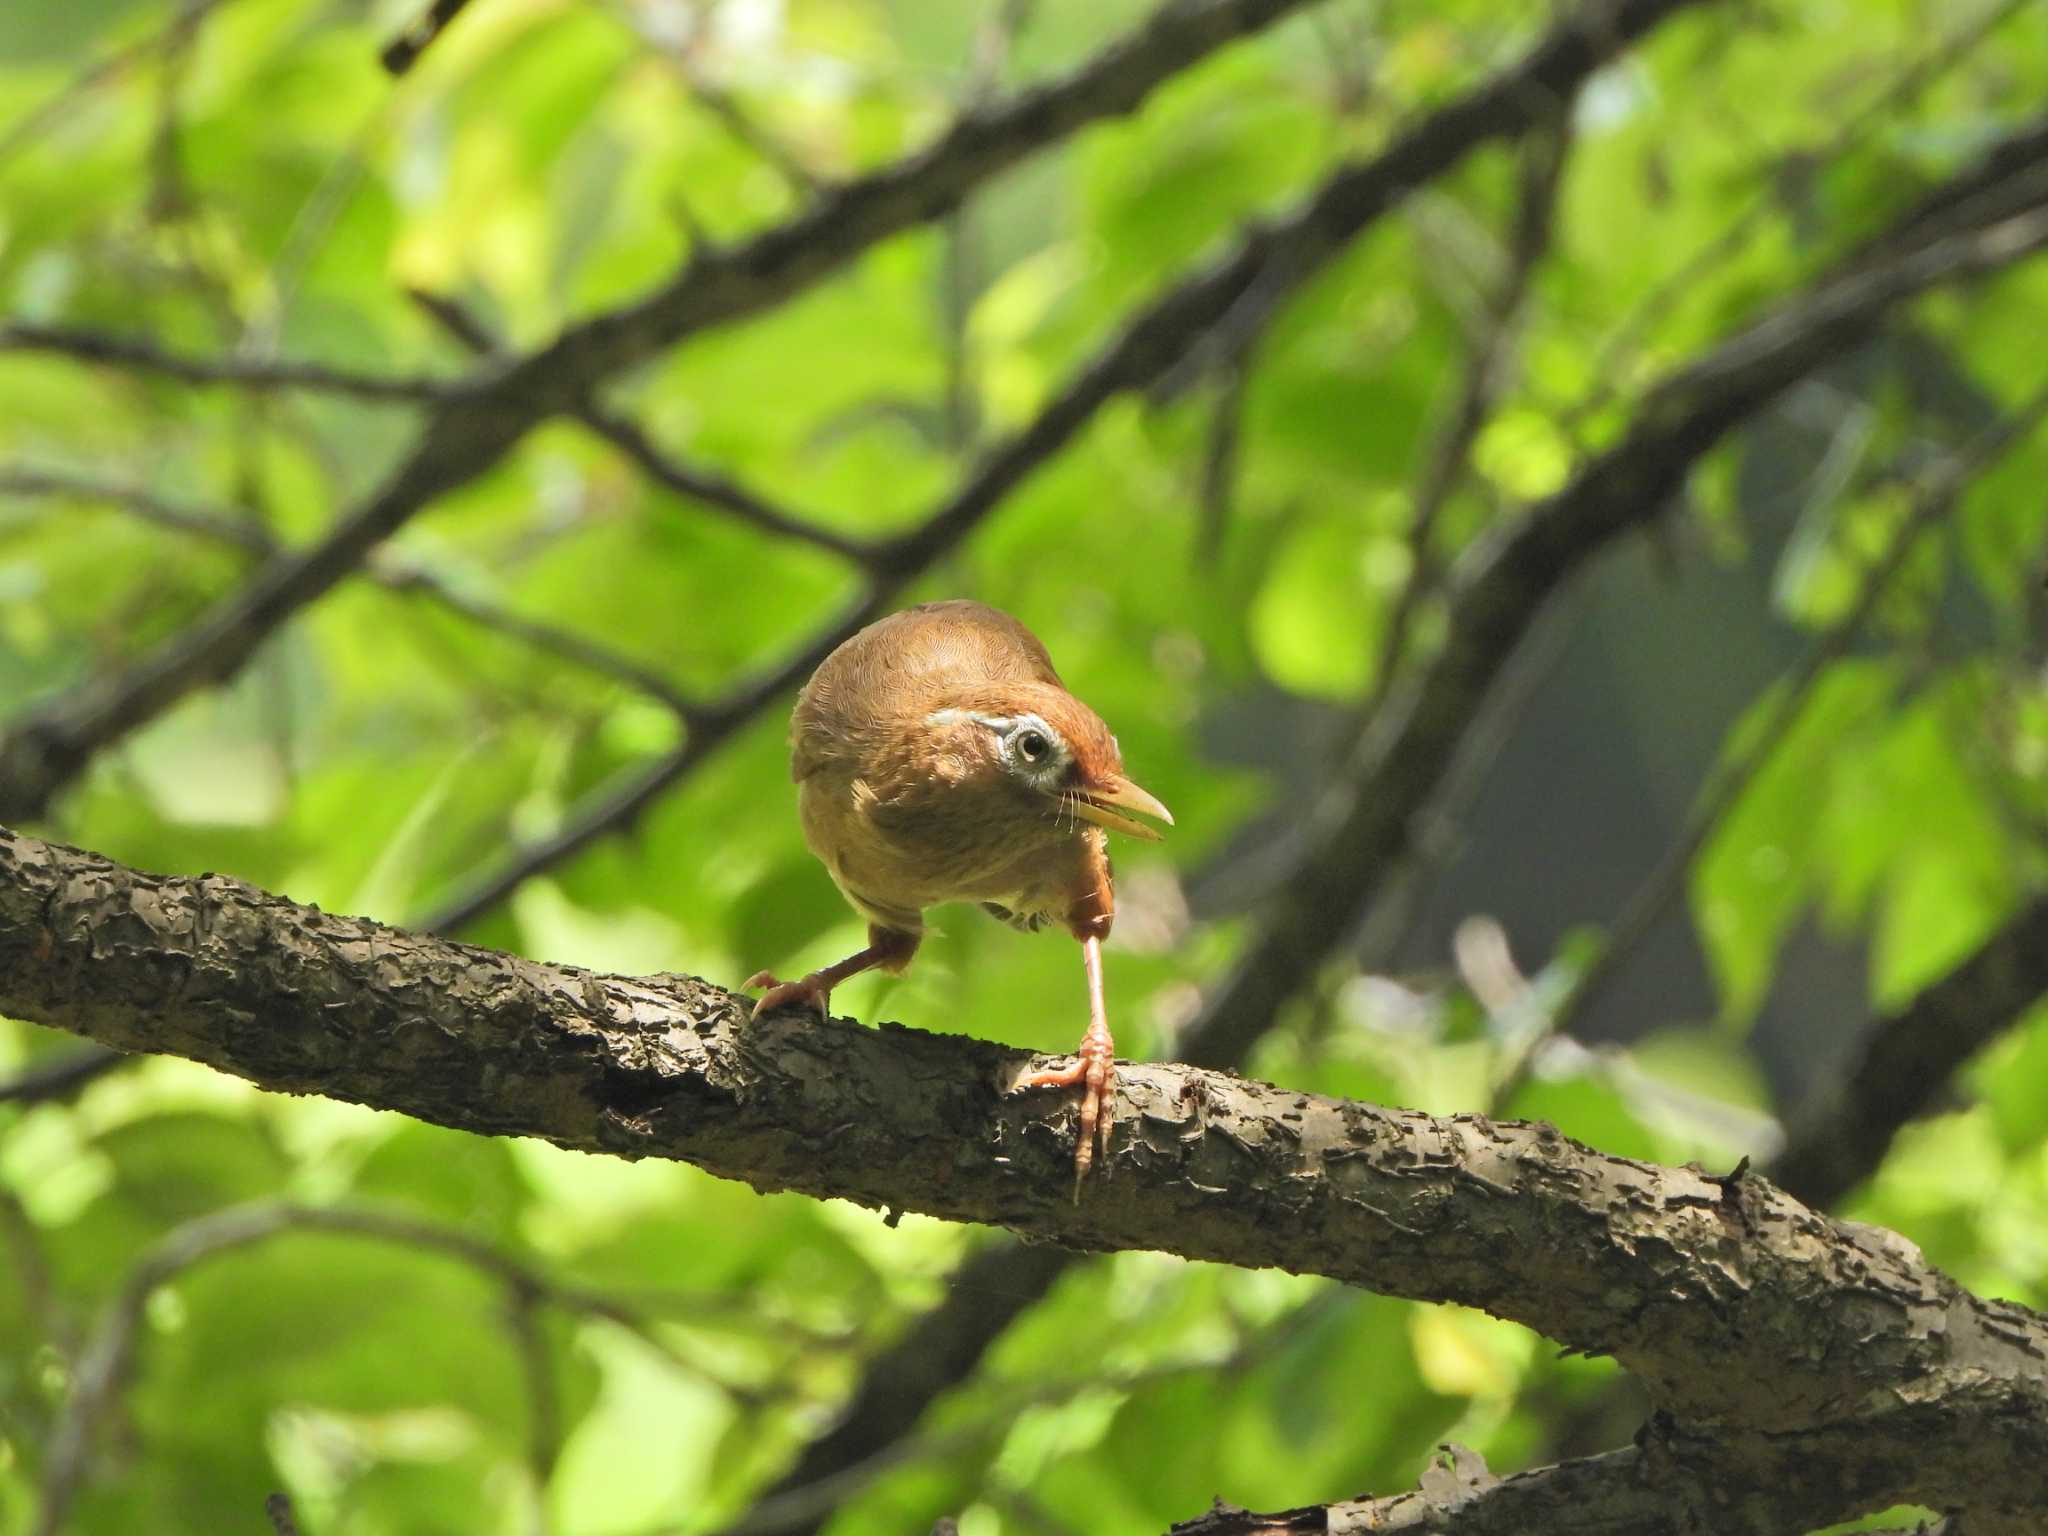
(110, 1358)
(398, 575)
(800, 1507)
(388, 569)
(1272, 260)
(60, 1078)
(625, 434)
(243, 373)
(138, 500)
(404, 50)
(55, 108)
(1669, 1484)
(1732, 777)
(477, 424)
(1606, 1255)
(1484, 377)
(720, 103)
(1908, 1057)
(714, 489)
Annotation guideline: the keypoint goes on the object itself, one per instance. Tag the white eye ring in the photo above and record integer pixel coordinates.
(1032, 745)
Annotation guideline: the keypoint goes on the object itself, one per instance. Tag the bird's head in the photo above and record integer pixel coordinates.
(1046, 752)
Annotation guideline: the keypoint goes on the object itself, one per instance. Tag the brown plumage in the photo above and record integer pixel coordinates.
(938, 758)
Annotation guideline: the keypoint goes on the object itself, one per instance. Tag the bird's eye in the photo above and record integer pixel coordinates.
(1032, 746)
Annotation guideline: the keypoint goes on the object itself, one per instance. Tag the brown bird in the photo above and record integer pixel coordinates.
(939, 758)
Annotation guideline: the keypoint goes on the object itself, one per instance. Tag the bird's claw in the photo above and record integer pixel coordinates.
(782, 993)
(1094, 1070)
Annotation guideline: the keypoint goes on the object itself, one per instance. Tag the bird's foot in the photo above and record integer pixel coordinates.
(814, 989)
(1094, 1070)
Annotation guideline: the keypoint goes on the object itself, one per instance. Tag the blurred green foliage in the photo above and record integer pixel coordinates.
(237, 176)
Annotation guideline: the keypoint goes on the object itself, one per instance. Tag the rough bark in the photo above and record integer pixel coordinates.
(1824, 1356)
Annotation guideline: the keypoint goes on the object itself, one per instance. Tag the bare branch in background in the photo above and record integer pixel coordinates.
(1485, 376)
(202, 522)
(388, 569)
(404, 50)
(695, 481)
(146, 357)
(1906, 1059)
(58, 1079)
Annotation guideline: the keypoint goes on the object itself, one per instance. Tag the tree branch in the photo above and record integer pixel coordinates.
(387, 569)
(1665, 1485)
(403, 51)
(1909, 1056)
(1749, 1317)
(141, 356)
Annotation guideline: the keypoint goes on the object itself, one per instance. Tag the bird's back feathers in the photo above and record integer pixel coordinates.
(909, 664)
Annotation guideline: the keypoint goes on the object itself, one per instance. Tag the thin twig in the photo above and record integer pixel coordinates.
(143, 356)
(137, 499)
(396, 574)
(630, 438)
(58, 106)
(714, 489)
(721, 104)
(1483, 379)
(404, 50)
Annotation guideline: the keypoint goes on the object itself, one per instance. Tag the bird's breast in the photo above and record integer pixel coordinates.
(889, 856)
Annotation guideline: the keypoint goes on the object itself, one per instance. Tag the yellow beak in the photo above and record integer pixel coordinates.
(1095, 804)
